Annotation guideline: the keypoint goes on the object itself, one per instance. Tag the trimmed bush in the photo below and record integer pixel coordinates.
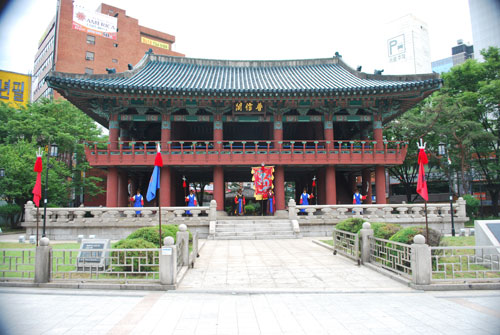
(471, 206)
(152, 234)
(385, 230)
(406, 235)
(352, 225)
(133, 260)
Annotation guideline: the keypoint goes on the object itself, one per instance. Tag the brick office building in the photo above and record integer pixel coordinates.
(75, 47)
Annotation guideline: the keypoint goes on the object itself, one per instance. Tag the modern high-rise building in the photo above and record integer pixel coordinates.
(407, 45)
(485, 21)
(459, 54)
(79, 40)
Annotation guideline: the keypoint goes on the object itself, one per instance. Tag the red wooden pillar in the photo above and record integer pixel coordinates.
(279, 187)
(331, 186)
(367, 185)
(380, 184)
(219, 187)
(377, 133)
(122, 189)
(321, 185)
(278, 136)
(165, 130)
(218, 134)
(165, 180)
(114, 131)
(328, 130)
(112, 187)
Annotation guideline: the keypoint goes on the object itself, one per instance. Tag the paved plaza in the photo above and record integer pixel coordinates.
(297, 264)
(256, 287)
(60, 311)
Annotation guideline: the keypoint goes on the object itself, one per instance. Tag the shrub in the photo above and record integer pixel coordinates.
(352, 225)
(9, 212)
(385, 230)
(133, 260)
(406, 235)
(152, 234)
(471, 206)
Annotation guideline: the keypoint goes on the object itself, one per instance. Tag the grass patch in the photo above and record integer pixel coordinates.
(458, 241)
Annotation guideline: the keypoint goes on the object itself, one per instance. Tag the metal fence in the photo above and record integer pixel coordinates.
(468, 263)
(17, 264)
(346, 243)
(390, 255)
(124, 265)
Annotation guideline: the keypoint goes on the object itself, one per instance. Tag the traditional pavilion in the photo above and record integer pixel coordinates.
(215, 119)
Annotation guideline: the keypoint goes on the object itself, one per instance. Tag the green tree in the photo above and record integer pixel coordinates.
(470, 120)
(415, 124)
(23, 131)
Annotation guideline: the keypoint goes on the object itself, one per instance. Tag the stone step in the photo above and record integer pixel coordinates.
(268, 237)
(253, 221)
(253, 233)
(249, 225)
(251, 229)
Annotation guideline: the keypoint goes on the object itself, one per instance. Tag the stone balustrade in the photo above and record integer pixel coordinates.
(113, 222)
(317, 219)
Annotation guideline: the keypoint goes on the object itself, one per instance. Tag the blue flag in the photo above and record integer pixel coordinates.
(154, 184)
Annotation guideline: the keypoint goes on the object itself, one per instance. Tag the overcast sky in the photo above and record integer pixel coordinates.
(256, 29)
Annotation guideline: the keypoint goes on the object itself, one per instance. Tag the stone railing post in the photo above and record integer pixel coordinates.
(183, 235)
(42, 261)
(365, 233)
(461, 212)
(421, 264)
(212, 212)
(168, 262)
(292, 211)
(28, 212)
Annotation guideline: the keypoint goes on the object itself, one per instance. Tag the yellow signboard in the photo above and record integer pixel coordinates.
(15, 88)
(154, 43)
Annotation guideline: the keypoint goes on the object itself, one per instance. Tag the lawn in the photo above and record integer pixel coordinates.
(461, 263)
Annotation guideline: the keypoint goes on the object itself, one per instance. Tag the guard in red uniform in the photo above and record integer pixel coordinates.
(239, 201)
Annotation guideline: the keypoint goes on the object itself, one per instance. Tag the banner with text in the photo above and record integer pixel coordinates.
(94, 22)
(263, 177)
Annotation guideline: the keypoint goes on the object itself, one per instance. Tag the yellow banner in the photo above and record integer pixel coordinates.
(15, 88)
(154, 43)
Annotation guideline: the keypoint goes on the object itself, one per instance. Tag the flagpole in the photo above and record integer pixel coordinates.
(37, 222)
(159, 208)
(426, 223)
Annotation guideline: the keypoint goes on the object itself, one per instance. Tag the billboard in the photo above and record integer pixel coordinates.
(94, 22)
(15, 88)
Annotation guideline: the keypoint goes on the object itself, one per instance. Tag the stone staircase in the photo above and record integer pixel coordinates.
(254, 228)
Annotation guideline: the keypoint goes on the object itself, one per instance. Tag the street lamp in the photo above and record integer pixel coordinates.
(52, 151)
(442, 151)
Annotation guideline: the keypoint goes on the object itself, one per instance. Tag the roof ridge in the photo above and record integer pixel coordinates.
(243, 63)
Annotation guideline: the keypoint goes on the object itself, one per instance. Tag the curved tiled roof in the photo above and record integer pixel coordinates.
(170, 74)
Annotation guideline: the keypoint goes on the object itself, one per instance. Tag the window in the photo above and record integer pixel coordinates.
(89, 55)
(114, 60)
(88, 70)
(90, 39)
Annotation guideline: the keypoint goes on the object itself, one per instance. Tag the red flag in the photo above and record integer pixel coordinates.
(421, 182)
(37, 190)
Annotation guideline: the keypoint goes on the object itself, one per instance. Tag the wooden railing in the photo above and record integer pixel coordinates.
(224, 152)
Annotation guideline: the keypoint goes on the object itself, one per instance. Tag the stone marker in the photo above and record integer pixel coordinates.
(22, 239)
(32, 239)
(80, 238)
(93, 254)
